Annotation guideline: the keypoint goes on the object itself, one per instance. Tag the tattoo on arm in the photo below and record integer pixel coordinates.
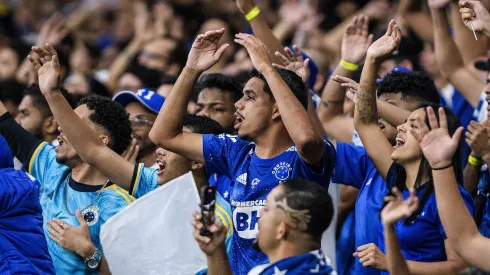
(326, 103)
(366, 102)
(299, 218)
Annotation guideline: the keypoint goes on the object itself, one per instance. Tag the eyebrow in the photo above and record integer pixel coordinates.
(248, 92)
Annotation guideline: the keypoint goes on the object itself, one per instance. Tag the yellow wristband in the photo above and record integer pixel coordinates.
(252, 13)
(474, 161)
(348, 66)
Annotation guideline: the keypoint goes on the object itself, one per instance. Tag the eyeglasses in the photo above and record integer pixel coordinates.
(141, 122)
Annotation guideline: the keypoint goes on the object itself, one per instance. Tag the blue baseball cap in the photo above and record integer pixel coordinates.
(6, 158)
(313, 68)
(396, 69)
(150, 99)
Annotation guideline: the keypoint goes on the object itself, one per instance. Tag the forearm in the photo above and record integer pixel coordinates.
(264, 33)
(435, 268)
(366, 111)
(458, 223)
(420, 23)
(120, 64)
(20, 141)
(317, 124)
(218, 263)
(393, 115)
(170, 119)
(333, 96)
(395, 262)
(471, 177)
(293, 114)
(469, 48)
(282, 29)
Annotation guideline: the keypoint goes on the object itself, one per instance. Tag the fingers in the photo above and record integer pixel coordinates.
(365, 26)
(55, 227)
(289, 53)
(434, 124)
(370, 40)
(351, 95)
(391, 25)
(457, 135)
(281, 57)
(398, 195)
(221, 50)
(442, 118)
(34, 61)
(279, 66)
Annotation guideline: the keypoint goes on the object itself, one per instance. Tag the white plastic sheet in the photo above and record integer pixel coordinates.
(153, 235)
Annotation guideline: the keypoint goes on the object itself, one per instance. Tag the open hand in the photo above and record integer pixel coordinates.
(371, 256)
(72, 238)
(351, 86)
(205, 51)
(397, 209)
(356, 40)
(132, 152)
(294, 62)
(388, 43)
(478, 138)
(46, 63)
(208, 245)
(258, 52)
(474, 13)
(438, 147)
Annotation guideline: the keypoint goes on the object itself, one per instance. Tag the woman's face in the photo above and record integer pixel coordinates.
(407, 148)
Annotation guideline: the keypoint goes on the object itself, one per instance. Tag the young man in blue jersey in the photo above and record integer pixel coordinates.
(276, 139)
(71, 189)
(23, 248)
(291, 224)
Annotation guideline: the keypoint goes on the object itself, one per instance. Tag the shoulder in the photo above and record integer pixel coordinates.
(115, 195)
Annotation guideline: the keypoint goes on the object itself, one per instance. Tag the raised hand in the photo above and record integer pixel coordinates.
(377, 9)
(205, 51)
(387, 44)
(478, 138)
(474, 13)
(52, 31)
(209, 245)
(258, 52)
(356, 40)
(438, 4)
(351, 86)
(132, 152)
(46, 63)
(371, 256)
(397, 208)
(438, 147)
(294, 62)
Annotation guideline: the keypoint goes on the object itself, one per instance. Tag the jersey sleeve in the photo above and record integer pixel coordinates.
(42, 162)
(351, 165)
(470, 204)
(144, 181)
(220, 151)
(114, 200)
(324, 175)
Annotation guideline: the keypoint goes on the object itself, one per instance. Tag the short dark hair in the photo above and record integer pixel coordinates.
(11, 91)
(202, 125)
(179, 54)
(294, 82)
(222, 82)
(113, 118)
(415, 86)
(40, 102)
(301, 194)
(149, 77)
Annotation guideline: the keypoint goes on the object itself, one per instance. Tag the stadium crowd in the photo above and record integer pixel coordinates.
(271, 103)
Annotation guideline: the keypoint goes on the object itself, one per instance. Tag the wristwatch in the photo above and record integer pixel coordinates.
(93, 262)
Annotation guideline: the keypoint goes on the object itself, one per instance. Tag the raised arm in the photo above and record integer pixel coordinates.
(449, 57)
(462, 233)
(309, 143)
(355, 43)
(87, 143)
(477, 138)
(167, 130)
(366, 112)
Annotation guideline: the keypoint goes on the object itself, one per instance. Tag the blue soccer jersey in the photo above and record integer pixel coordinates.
(252, 178)
(56, 184)
(144, 181)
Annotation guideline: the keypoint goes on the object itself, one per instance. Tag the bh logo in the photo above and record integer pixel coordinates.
(281, 170)
(246, 220)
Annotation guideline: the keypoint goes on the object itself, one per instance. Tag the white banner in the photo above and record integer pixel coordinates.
(153, 235)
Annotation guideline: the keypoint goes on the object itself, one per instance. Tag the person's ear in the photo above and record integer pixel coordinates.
(105, 139)
(195, 165)
(50, 126)
(282, 231)
(275, 111)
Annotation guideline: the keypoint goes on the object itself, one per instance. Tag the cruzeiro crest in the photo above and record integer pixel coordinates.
(282, 171)
(91, 215)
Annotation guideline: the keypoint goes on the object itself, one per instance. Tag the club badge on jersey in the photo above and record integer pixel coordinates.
(91, 215)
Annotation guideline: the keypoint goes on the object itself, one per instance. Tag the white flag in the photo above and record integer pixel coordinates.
(153, 235)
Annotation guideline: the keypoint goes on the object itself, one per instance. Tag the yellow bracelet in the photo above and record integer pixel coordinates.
(474, 161)
(348, 66)
(252, 13)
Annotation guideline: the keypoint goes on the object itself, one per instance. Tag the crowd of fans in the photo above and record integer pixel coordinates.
(268, 101)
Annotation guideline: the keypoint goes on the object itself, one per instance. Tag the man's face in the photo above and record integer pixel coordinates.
(395, 99)
(129, 82)
(254, 110)
(8, 63)
(65, 153)
(77, 84)
(171, 165)
(141, 119)
(271, 223)
(30, 118)
(156, 54)
(218, 105)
